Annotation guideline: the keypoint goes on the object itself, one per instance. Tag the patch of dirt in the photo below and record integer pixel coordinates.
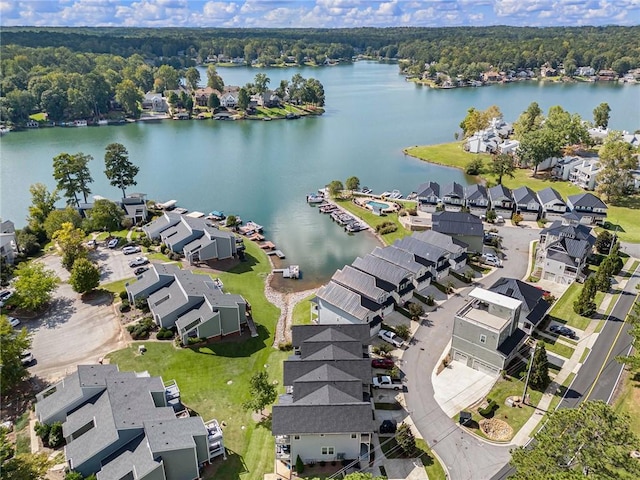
(496, 429)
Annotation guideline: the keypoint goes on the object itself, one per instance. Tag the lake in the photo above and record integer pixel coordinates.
(262, 171)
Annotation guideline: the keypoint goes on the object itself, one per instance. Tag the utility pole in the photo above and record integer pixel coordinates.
(526, 382)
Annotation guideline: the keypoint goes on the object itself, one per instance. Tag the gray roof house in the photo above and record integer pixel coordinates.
(485, 334)
(337, 304)
(399, 277)
(432, 256)
(457, 249)
(366, 285)
(534, 306)
(526, 203)
(8, 244)
(135, 207)
(553, 206)
(420, 270)
(127, 425)
(452, 195)
(501, 200)
(428, 196)
(591, 209)
(462, 226)
(325, 414)
(196, 238)
(194, 304)
(476, 199)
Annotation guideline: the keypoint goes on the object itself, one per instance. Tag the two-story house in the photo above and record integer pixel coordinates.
(420, 270)
(590, 208)
(452, 197)
(399, 277)
(485, 335)
(428, 196)
(461, 226)
(476, 199)
(501, 200)
(457, 250)
(8, 244)
(326, 413)
(534, 307)
(563, 168)
(127, 425)
(526, 203)
(436, 259)
(585, 173)
(135, 207)
(552, 204)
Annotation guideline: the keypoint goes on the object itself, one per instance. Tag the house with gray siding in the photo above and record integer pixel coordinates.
(552, 204)
(436, 259)
(326, 413)
(337, 304)
(501, 201)
(526, 203)
(456, 249)
(420, 270)
(534, 307)
(194, 304)
(590, 208)
(485, 335)
(452, 195)
(367, 286)
(127, 425)
(461, 226)
(428, 196)
(399, 277)
(476, 199)
(135, 207)
(8, 244)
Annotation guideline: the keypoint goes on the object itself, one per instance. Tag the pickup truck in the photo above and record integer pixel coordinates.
(385, 381)
(391, 338)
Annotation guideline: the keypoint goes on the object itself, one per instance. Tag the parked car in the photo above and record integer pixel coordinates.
(391, 338)
(27, 358)
(140, 270)
(14, 322)
(388, 426)
(131, 249)
(138, 262)
(113, 243)
(491, 259)
(4, 296)
(386, 363)
(92, 244)
(562, 330)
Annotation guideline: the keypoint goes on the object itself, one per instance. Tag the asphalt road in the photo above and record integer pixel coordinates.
(465, 456)
(599, 375)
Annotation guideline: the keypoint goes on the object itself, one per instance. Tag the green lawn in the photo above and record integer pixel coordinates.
(532, 254)
(302, 312)
(452, 154)
(214, 380)
(562, 310)
(161, 257)
(373, 220)
(552, 345)
(116, 287)
(629, 402)
(431, 464)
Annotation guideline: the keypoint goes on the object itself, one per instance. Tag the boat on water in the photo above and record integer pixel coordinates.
(103, 122)
(385, 194)
(4, 130)
(216, 215)
(412, 196)
(78, 123)
(355, 227)
(313, 198)
(395, 194)
(327, 208)
(366, 190)
(254, 225)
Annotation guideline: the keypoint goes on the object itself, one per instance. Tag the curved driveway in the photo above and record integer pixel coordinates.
(465, 456)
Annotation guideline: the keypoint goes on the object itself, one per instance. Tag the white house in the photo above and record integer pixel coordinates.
(553, 206)
(585, 173)
(8, 244)
(563, 168)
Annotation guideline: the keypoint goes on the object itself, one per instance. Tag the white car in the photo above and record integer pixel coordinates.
(139, 261)
(131, 249)
(4, 296)
(391, 338)
(14, 322)
(113, 243)
(27, 358)
(491, 259)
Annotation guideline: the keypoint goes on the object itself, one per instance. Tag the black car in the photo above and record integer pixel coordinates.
(140, 270)
(562, 330)
(388, 426)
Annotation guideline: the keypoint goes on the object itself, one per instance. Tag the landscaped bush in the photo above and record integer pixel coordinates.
(163, 249)
(165, 334)
(55, 435)
(386, 227)
(403, 331)
(194, 340)
(142, 304)
(141, 329)
(145, 241)
(125, 306)
(299, 465)
(382, 349)
(285, 346)
(489, 409)
(123, 295)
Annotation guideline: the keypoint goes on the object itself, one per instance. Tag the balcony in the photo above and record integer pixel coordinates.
(283, 452)
(214, 438)
(283, 440)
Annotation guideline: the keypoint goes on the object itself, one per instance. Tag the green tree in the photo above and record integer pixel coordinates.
(501, 165)
(416, 311)
(362, 476)
(105, 215)
(584, 304)
(261, 81)
(130, 97)
(166, 78)
(85, 276)
(335, 187)
(603, 242)
(473, 122)
(42, 203)
(214, 80)
(516, 218)
(23, 466)
(34, 286)
(538, 145)
(243, 98)
(590, 441)
(352, 183)
(72, 175)
(601, 115)
(55, 219)
(213, 101)
(71, 242)
(13, 343)
(262, 392)
(403, 331)
(617, 160)
(539, 375)
(632, 360)
(604, 274)
(192, 76)
(27, 242)
(406, 440)
(474, 167)
(119, 170)
(528, 121)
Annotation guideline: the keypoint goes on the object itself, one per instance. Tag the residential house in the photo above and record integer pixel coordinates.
(526, 203)
(563, 250)
(607, 76)
(155, 102)
(135, 207)
(509, 147)
(326, 413)
(127, 425)
(267, 99)
(202, 95)
(435, 258)
(501, 200)
(367, 286)
(452, 195)
(485, 335)
(563, 168)
(483, 141)
(229, 97)
(552, 204)
(8, 244)
(585, 173)
(632, 139)
(419, 268)
(194, 304)
(598, 133)
(461, 226)
(457, 249)
(428, 196)
(534, 307)
(500, 127)
(590, 208)
(399, 277)
(491, 77)
(476, 199)
(197, 239)
(585, 71)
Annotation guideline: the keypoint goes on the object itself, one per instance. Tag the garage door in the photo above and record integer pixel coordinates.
(549, 276)
(485, 368)
(460, 357)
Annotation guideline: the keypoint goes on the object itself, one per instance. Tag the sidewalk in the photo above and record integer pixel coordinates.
(572, 365)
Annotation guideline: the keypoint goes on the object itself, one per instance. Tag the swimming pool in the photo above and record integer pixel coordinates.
(380, 205)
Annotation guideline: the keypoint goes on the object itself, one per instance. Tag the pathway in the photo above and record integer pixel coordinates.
(286, 303)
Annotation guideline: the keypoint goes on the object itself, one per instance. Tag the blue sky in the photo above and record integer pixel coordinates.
(318, 13)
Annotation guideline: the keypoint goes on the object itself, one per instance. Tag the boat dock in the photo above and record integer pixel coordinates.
(292, 271)
(267, 245)
(277, 253)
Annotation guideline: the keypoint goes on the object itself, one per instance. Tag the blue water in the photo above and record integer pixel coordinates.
(379, 205)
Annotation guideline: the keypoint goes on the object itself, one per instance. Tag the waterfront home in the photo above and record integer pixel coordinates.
(461, 226)
(202, 95)
(509, 147)
(366, 286)
(590, 208)
(485, 334)
(585, 71)
(267, 99)
(196, 238)
(483, 141)
(325, 414)
(501, 200)
(336, 304)
(585, 173)
(500, 127)
(194, 304)
(399, 277)
(154, 102)
(436, 259)
(428, 196)
(563, 167)
(563, 250)
(456, 249)
(526, 203)
(8, 244)
(420, 269)
(229, 97)
(127, 425)
(552, 204)
(476, 199)
(452, 195)
(135, 207)
(534, 307)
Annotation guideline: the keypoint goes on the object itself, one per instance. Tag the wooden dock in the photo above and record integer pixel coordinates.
(292, 271)
(257, 237)
(267, 245)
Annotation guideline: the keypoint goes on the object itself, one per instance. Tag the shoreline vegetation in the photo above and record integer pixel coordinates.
(621, 218)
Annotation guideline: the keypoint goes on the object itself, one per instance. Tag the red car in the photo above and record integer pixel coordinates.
(386, 363)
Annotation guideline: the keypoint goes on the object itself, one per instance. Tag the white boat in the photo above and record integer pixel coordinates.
(103, 122)
(395, 194)
(4, 130)
(385, 194)
(79, 123)
(313, 198)
(254, 226)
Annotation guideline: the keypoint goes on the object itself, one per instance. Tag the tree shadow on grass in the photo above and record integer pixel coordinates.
(265, 422)
(246, 265)
(230, 469)
(240, 346)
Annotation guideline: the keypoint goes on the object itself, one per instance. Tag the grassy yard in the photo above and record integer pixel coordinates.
(629, 401)
(431, 464)
(552, 345)
(453, 155)
(214, 380)
(301, 312)
(116, 287)
(373, 220)
(562, 310)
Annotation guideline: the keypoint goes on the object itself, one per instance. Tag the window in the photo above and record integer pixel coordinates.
(483, 338)
(327, 450)
(296, 437)
(354, 435)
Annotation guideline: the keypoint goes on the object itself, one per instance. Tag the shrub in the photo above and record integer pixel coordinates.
(42, 430)
(415, 310)
(141, 329)
(489, 409)
(123, 295)
(194, 340)
(430, 301)
(163, 249)
(165, 334)
(125, 306)
(55, 438)
(299, 465)
(142, 304)
(403, 331)
(145, 241)
(517, 218)
(474, 167)
(285, 346)
(382, 349)
(386, 227)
